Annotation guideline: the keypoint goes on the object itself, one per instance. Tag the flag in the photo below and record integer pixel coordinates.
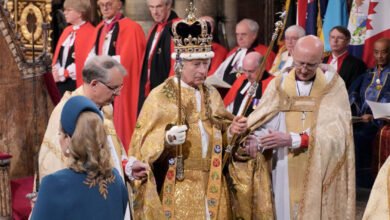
(311, 19)
(291, 17)
(335, 15)
(323, 7)
(357, 27)
(301, 13)
(378, 26)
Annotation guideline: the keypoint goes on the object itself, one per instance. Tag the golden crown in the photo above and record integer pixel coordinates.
(192, 37)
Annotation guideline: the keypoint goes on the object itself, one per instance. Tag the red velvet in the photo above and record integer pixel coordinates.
(52, 88)
(4, 156)
(21, 207)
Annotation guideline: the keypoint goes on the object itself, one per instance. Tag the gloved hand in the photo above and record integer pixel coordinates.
(176, 135)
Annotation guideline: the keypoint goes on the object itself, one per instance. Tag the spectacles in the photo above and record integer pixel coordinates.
(291, 38)
(115, 90)
(107, 5)
(309, 66)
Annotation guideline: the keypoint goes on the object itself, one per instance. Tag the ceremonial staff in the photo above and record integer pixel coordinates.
(179, 148)
(231, 148)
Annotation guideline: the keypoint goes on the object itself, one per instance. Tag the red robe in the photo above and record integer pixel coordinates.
(220, 53)
(232, 93)
(130, 45)
(262, 49)
(82, 43)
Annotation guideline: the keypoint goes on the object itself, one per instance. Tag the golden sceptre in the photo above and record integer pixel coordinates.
(179, 148)
(231, 148)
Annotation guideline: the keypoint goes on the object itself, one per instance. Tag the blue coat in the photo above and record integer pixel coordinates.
(63, 195)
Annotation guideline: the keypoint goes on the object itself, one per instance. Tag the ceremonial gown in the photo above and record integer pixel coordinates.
(317, 182)
(366, 87)
(237, 95)
(127, 43)
(348, 67)
(220, 53)
(157, 63)
(231, 68)
(282, 61)
(82, 43)
(204, 114)
(378, 205)
(51, 158)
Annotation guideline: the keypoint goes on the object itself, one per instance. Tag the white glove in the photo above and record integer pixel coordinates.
(176, 135)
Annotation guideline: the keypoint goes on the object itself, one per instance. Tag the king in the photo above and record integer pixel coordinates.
(201, 192)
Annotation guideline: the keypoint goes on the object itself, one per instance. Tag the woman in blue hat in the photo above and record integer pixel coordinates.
(89, 188)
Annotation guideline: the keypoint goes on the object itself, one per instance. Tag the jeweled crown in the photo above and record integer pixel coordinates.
(192, 37)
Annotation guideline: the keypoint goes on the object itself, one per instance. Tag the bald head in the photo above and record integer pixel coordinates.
(310, 46)
(307, 54)
(250, 64)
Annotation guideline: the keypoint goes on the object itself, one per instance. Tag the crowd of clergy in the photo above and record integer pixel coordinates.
(173, 125)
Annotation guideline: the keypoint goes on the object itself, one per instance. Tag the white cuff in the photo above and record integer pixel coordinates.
(61, 74)
(117, 58)
(296, 140)
(72, 71)
(129, 168)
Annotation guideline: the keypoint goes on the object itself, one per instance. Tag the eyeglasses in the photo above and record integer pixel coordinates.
(309, 66)
(107, 5)
(113, 90)
(291, 38)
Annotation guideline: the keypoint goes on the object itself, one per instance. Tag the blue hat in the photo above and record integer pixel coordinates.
(72, 109)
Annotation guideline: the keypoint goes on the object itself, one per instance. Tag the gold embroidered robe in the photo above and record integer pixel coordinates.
(324, 180)
(378, 206)
(148, 145)
(51, 158)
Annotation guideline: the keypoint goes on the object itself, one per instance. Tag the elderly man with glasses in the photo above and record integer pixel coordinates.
(124, 40)
(103, 81)
(304, 121)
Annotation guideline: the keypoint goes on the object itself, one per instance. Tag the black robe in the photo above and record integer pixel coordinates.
(161, 60)
(350, 69)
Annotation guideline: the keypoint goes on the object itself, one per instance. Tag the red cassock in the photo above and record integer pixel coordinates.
(220, 53)
(262, 49)
(232, 93)
(83, 42)
(130, 45)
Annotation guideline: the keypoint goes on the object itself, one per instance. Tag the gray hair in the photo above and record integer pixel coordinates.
(252, 24)
(98, 68)
(167, 2)
(296, 28)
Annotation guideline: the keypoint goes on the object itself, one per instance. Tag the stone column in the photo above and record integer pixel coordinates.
(138, 11)
(230, 13)
(5, 187)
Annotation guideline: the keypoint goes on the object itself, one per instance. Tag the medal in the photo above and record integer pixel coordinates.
(378, 84)
(255, 103)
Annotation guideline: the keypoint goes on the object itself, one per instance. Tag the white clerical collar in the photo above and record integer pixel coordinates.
(77, 26)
